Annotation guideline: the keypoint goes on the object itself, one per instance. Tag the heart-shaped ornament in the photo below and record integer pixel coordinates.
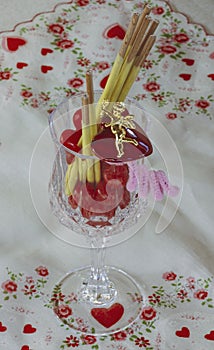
(209, 336)
(211, 76)
(188, 61)
(107, 317)
(25, 347)
(29, 329)
(21, 65)
(185, 76)
(183, 332)
(12, 44)
(114, 31)
(45, 51)
(2, 328)
(45, 69)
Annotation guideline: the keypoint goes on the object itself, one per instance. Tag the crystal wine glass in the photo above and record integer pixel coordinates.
(91, 192)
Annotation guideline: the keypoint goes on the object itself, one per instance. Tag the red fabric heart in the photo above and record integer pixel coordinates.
(21, 65)
(209, 336)
(188, 61)
(28, 328)
(104, 81)
(45, 51)
(45, 69)
(114, 31)
(25, 347)
(183, 333)
(185, 76)
(108, 317)
(2, 328)
(13, 43)
(211, 76)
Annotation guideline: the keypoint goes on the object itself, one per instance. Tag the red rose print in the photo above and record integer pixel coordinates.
(9, 286)
(83, 62)
(201, 294)
(82, 2)
(63, 311)
(181, 38)
(103, 65)
(152, 86)
(182, 294)
(158, 10)
(26, 93)
(171, 115)
(89, 339)
(142, 342)
(65, 44)
(202, 104)
(120, 336)
(42, 271)
(167, 49)
(72, 341)
(6, 75)
(148, 313)
(56, 28)
(169, 276)
(75, 82)
(34, 103)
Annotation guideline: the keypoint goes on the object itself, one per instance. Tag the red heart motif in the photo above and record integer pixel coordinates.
(114, 31)
(45, 51)
(21, 65)
(104, 81)
(211, 56)
(183, 333)
(188, 61)
(45, 69)
(185, 76)
(108, 317)
(211, 76)
(13, 43)
(2, 328)
(29, 329)
(210, 336)
(25, 347)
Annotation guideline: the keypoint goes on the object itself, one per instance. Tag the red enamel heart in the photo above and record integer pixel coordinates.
(188, 61)
(25, 347)
(183, 333)
(185, 76)
(114, 31)
(28, 328)
(45, 51)
(21, 65)
(210, 336)
(45, 69)
(108, 317)
(211, 76)
(103, 82)
(2, 328)
(13, 43)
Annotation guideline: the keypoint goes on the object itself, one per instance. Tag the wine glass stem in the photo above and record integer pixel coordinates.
(97, 289)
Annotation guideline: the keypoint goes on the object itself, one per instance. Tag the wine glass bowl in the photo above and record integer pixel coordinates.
(91, 192)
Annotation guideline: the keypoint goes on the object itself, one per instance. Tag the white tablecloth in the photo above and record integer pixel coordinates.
(185, 249)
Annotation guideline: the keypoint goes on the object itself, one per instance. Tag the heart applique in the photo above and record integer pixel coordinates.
(188, 61)
(211, 76)
(2, 328)
(45, 51)
(210, 336)
(45, 69)
(107, 317)
(12, 44)
(114, 31)
(185, 76)
(25, 347)
(29, 329)
(104, 81)
(183, 332)
(21, 65)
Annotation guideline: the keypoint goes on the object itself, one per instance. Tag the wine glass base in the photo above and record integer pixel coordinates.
(86, 318)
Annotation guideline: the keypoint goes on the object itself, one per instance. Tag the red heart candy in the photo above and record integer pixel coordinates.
(45, 51)
(185, 76)
(21, 65)
(45, 69)
(211, 76)
(13, 43)
(28, 328)
(183, 333)
(2, 328)
(188, 61)
(25, 347)
(103, 82)
(107, 317)
(210, 336)
(115, 31)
